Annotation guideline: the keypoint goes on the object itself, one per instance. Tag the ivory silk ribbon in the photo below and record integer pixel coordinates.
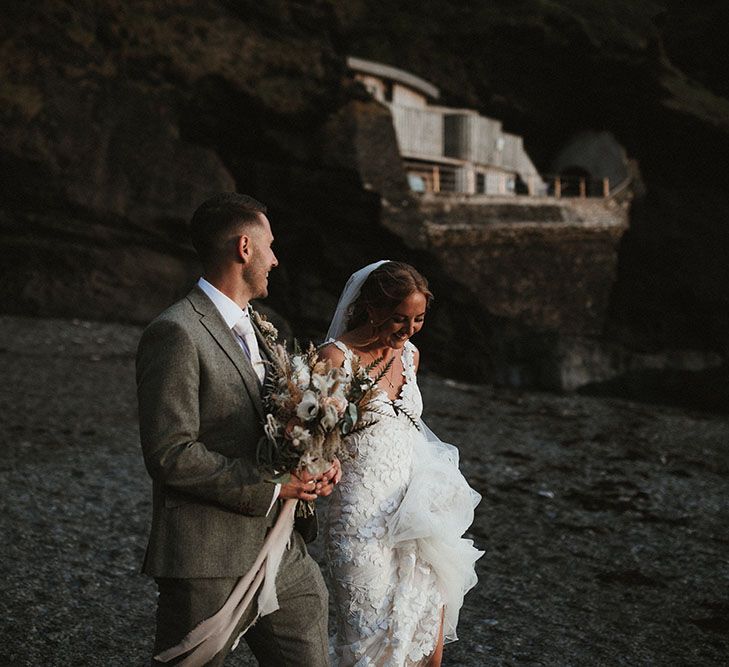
(211, 635)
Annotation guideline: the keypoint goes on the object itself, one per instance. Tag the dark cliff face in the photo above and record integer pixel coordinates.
(117, 122)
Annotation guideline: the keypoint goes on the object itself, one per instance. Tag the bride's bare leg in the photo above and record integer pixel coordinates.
(437, 657)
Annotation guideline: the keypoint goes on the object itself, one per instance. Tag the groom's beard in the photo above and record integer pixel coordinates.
(256, 277)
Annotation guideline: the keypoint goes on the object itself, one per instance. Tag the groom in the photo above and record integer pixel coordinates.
(199, 373)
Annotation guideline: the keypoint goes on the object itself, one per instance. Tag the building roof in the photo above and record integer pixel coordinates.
(393, 73)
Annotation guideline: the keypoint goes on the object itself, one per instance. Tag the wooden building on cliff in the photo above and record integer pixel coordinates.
(446, 149)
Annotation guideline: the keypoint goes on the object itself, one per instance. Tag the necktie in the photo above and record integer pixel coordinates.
(244, 328)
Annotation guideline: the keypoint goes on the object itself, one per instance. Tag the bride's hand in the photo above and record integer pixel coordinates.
(325, 484)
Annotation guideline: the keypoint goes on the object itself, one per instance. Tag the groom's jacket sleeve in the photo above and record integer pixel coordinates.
(168, 386)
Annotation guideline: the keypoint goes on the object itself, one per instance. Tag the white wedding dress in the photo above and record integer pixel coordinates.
(397, 560)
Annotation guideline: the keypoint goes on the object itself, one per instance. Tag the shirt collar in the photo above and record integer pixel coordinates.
(229, 309)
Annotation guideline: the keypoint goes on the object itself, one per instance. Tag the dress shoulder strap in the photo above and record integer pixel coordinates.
(408, 361)
(342, 348)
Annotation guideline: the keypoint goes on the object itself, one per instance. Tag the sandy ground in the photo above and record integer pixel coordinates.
(605, 523)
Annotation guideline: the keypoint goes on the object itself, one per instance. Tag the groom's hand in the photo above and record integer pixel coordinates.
(325, 484)
(301, 487)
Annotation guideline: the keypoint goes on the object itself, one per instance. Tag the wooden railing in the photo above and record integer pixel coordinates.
(562, 185)
(469, 180)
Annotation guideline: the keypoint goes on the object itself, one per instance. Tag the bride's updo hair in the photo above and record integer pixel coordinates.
(386, 287)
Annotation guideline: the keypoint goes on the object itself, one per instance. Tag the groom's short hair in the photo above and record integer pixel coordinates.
(218, 219)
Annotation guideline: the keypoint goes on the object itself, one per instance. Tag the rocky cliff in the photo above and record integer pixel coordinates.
(118, 119)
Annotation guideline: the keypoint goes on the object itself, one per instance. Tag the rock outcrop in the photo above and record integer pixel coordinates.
(116, 121)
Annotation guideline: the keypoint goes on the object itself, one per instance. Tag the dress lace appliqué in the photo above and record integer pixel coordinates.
(389, 592)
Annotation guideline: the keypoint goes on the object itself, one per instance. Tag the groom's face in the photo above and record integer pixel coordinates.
(262, 259)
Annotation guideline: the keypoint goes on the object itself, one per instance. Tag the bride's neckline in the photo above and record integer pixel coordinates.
(382, 390)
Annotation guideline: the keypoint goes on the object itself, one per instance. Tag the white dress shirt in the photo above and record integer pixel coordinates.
(231, 313)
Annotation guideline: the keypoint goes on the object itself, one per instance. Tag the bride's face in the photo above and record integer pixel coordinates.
(396, 326)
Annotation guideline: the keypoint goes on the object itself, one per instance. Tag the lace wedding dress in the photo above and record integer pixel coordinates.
(397, 560)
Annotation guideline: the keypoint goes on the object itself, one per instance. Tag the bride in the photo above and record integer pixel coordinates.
(398, 563)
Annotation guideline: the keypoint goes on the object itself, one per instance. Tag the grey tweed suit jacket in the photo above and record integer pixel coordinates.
(200, 419)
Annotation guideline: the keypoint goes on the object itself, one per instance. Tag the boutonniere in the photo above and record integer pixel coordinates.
(268, 331)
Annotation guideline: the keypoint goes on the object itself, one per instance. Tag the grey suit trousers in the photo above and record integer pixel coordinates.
(295, 635)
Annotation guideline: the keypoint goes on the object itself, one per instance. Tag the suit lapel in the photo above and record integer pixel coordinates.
(213, 321)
